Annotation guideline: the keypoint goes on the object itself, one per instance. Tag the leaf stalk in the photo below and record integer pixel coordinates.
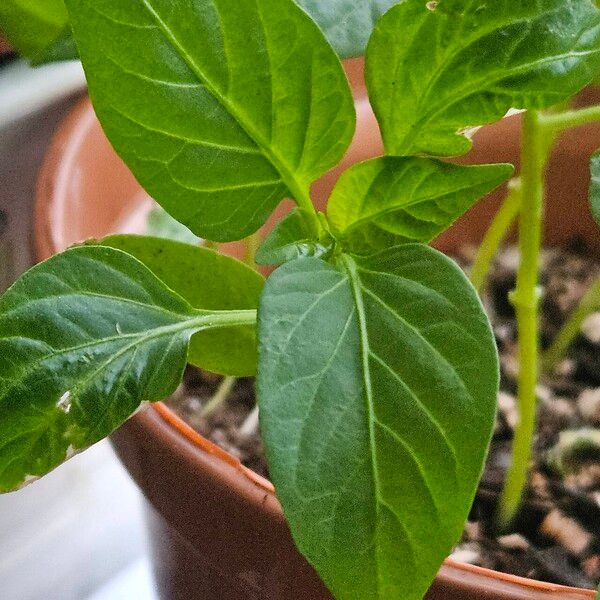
(251, 244)
(226, 318)
(557, 122)
(496, 233)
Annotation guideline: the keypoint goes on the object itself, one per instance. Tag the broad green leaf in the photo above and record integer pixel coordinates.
(392, 200)
(347, 24)
(436, 68)
(210, 281)
(221, 108)
(85, 337)
(595, 187)
(161, 224)
(38, 29)
(295, 236)
(377, 386)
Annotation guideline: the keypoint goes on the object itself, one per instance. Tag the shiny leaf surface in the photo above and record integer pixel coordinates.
(436, 68)
(392, 200)
(85, 338)
(377, 386)
(221, 108)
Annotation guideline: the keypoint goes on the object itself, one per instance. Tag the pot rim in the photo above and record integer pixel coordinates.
(56, 170)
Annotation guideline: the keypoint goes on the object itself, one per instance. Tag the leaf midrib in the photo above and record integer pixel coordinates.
(118, 299)
(195, 323)
(295, 186)
(352, 274)
(353, 278)
(472, 39)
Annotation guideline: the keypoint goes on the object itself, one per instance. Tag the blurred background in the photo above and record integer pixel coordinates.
(78, 534)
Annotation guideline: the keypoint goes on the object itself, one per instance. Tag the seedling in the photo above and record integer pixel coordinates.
(377, 371)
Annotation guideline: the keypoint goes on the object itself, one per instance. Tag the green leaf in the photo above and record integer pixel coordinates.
(221, 108)
(210, 281)
(63, 48)
(377, 387)
(595, 187)
(38, 29)
(347, 24)
(391, 200)
(161, 224)
(295, 236)
(85, 337)
(436, 68)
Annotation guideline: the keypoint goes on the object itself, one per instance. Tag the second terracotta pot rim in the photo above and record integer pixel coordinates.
(51, 193)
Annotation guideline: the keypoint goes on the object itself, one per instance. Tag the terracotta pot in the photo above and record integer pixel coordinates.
(218, 531)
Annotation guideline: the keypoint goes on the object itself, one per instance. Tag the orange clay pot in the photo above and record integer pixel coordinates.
(218, 531)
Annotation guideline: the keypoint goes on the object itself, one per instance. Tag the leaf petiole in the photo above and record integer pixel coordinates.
(225, 318)
(496, 233)
(251, 244)
(558, 122)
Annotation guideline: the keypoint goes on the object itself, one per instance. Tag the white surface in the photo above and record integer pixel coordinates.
(134, 583)
(25, 90)
(66, 536)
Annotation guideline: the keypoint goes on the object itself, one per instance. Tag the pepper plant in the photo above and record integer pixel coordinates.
(377, 371)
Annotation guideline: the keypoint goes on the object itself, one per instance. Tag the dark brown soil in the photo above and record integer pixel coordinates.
(556, 537)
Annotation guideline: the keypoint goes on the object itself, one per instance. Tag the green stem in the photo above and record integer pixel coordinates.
(252, 244)
(219, 396)
(559, 121)
(225, 318)
(526, 302)
(496, 233)
(557, 351)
